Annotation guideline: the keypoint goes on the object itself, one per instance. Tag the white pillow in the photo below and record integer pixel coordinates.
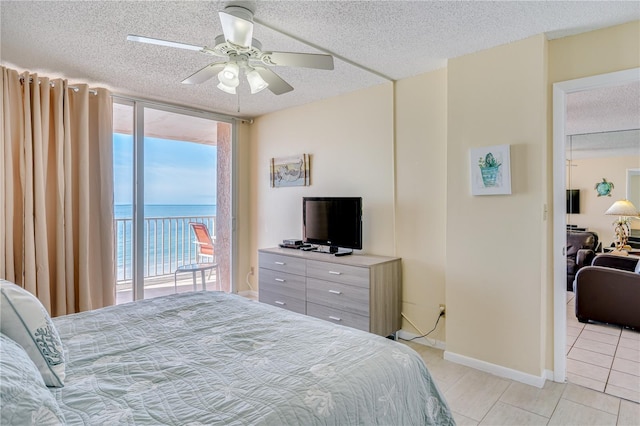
(24, 398)
(26, 321)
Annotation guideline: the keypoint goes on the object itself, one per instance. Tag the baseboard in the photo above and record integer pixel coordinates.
(549, 375)
(438, 344)
(249, 294)
(497, 370)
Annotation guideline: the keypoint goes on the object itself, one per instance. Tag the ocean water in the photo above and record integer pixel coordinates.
(166, 210)
(168, 239)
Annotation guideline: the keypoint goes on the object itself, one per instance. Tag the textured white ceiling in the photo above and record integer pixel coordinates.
(604, 110)
(619, 143)
(86, 41)
(604, 122)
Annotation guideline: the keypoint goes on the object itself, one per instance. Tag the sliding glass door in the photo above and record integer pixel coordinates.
(171, 171)
(123, 165)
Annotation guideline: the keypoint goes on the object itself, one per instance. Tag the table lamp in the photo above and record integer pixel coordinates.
(624, 209)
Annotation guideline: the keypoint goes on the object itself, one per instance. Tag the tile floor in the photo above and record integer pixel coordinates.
(478, 398)
(603, 357)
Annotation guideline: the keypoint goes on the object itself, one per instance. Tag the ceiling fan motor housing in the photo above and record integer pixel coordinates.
(240, 12)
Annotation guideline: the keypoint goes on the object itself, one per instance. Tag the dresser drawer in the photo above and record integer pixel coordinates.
(339, 273)
(338, 317)
(359, 291)
(282, 263)
(282, 301)
(340, 296)
(282, 283)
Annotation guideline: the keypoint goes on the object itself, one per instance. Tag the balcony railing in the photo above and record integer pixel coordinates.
(168, 243)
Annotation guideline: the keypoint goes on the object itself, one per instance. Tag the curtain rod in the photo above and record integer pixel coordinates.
(52, 84)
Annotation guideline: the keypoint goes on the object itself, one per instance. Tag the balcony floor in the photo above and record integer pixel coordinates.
(163, 285)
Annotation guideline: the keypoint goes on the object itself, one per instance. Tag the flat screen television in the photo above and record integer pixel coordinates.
(333, 221)
(573, 201)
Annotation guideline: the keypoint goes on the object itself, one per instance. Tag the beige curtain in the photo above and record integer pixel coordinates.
(56, 174)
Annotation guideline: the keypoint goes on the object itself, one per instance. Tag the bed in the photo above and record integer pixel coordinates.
(215, 358)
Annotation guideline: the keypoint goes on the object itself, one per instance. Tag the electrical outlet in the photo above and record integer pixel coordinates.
(251, 270)
(442, 309)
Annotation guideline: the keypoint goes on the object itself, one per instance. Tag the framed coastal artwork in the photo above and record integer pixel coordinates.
(490, 170)
(290, 171)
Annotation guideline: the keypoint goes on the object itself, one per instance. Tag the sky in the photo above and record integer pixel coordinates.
(176, 172)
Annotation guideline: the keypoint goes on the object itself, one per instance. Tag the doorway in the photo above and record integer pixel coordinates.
(172, 168)
(560, 92)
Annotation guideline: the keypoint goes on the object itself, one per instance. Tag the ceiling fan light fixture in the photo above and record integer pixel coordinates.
(256, 82)
(229, 75)
(228, 89)
(240, 48)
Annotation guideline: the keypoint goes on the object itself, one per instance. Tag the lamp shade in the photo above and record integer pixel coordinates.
(229, 89)
(256, 82)
(622, 208)
(229, 75)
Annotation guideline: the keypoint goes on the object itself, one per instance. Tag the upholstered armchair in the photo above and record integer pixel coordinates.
(581, 249)
(609, 291)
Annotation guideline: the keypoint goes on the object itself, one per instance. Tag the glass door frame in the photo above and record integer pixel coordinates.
(139, 105)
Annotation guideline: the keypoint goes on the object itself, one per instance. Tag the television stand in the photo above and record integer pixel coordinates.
(359, 291)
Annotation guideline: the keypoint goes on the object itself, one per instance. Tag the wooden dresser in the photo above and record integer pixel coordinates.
(359, 291)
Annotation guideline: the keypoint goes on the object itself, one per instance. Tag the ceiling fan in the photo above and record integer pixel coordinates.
(243, 53)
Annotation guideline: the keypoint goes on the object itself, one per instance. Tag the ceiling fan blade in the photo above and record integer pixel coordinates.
(307, 60)
(204, 74)
(276, 84)
(238, 31)
(160, 42)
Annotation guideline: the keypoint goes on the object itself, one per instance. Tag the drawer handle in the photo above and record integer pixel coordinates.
(335, 273)
(335, 318)
(280, 280)
(277, 302)
(335, 292)
(279, 263)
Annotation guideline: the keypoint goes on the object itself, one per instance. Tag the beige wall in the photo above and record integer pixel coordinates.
(494, 263)
(597, 52)
(350, 140)
(487, 256)
(586, 173)
(421, 198)
(244, 200)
